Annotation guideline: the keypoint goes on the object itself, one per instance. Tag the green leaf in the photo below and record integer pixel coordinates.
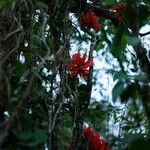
(129, 92)
(126, 127)
(40, 136)
(143, 14)
(30, 138)
(23, 135)
(117, 90)
(40, 92)
(38, 75)
(82, 93)
(139, 143)
(133, 40)
(109, 2)
(119, 42)
(42, 5)
(140, 77)
(118, 75)
(28, 55)
(19, 69)
(73, 82)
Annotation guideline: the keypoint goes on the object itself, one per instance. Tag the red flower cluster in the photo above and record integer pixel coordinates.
(89, 19)
(95, 142)
(79, 65)
(118, 9)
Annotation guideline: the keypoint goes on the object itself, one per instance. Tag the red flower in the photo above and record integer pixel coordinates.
(104, 145)
(87, 131)
(118, 9)
(79, 65)
(89, 19)
(95, 142)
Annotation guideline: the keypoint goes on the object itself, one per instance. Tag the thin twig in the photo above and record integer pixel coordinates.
(90, 76)
(12, 33)
(43, 32)
(21, 103)
(57, 113)
(12, 51)
(15, 31)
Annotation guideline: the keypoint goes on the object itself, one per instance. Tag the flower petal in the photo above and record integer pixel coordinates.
(89, 19)
(88, 63)
(87, 131)
(84, 58)
(76, 59)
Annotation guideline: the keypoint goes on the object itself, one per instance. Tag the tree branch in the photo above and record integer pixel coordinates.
(100, 10)
(90, 76)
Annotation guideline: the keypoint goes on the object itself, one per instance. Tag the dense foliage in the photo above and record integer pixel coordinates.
(49, 51)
